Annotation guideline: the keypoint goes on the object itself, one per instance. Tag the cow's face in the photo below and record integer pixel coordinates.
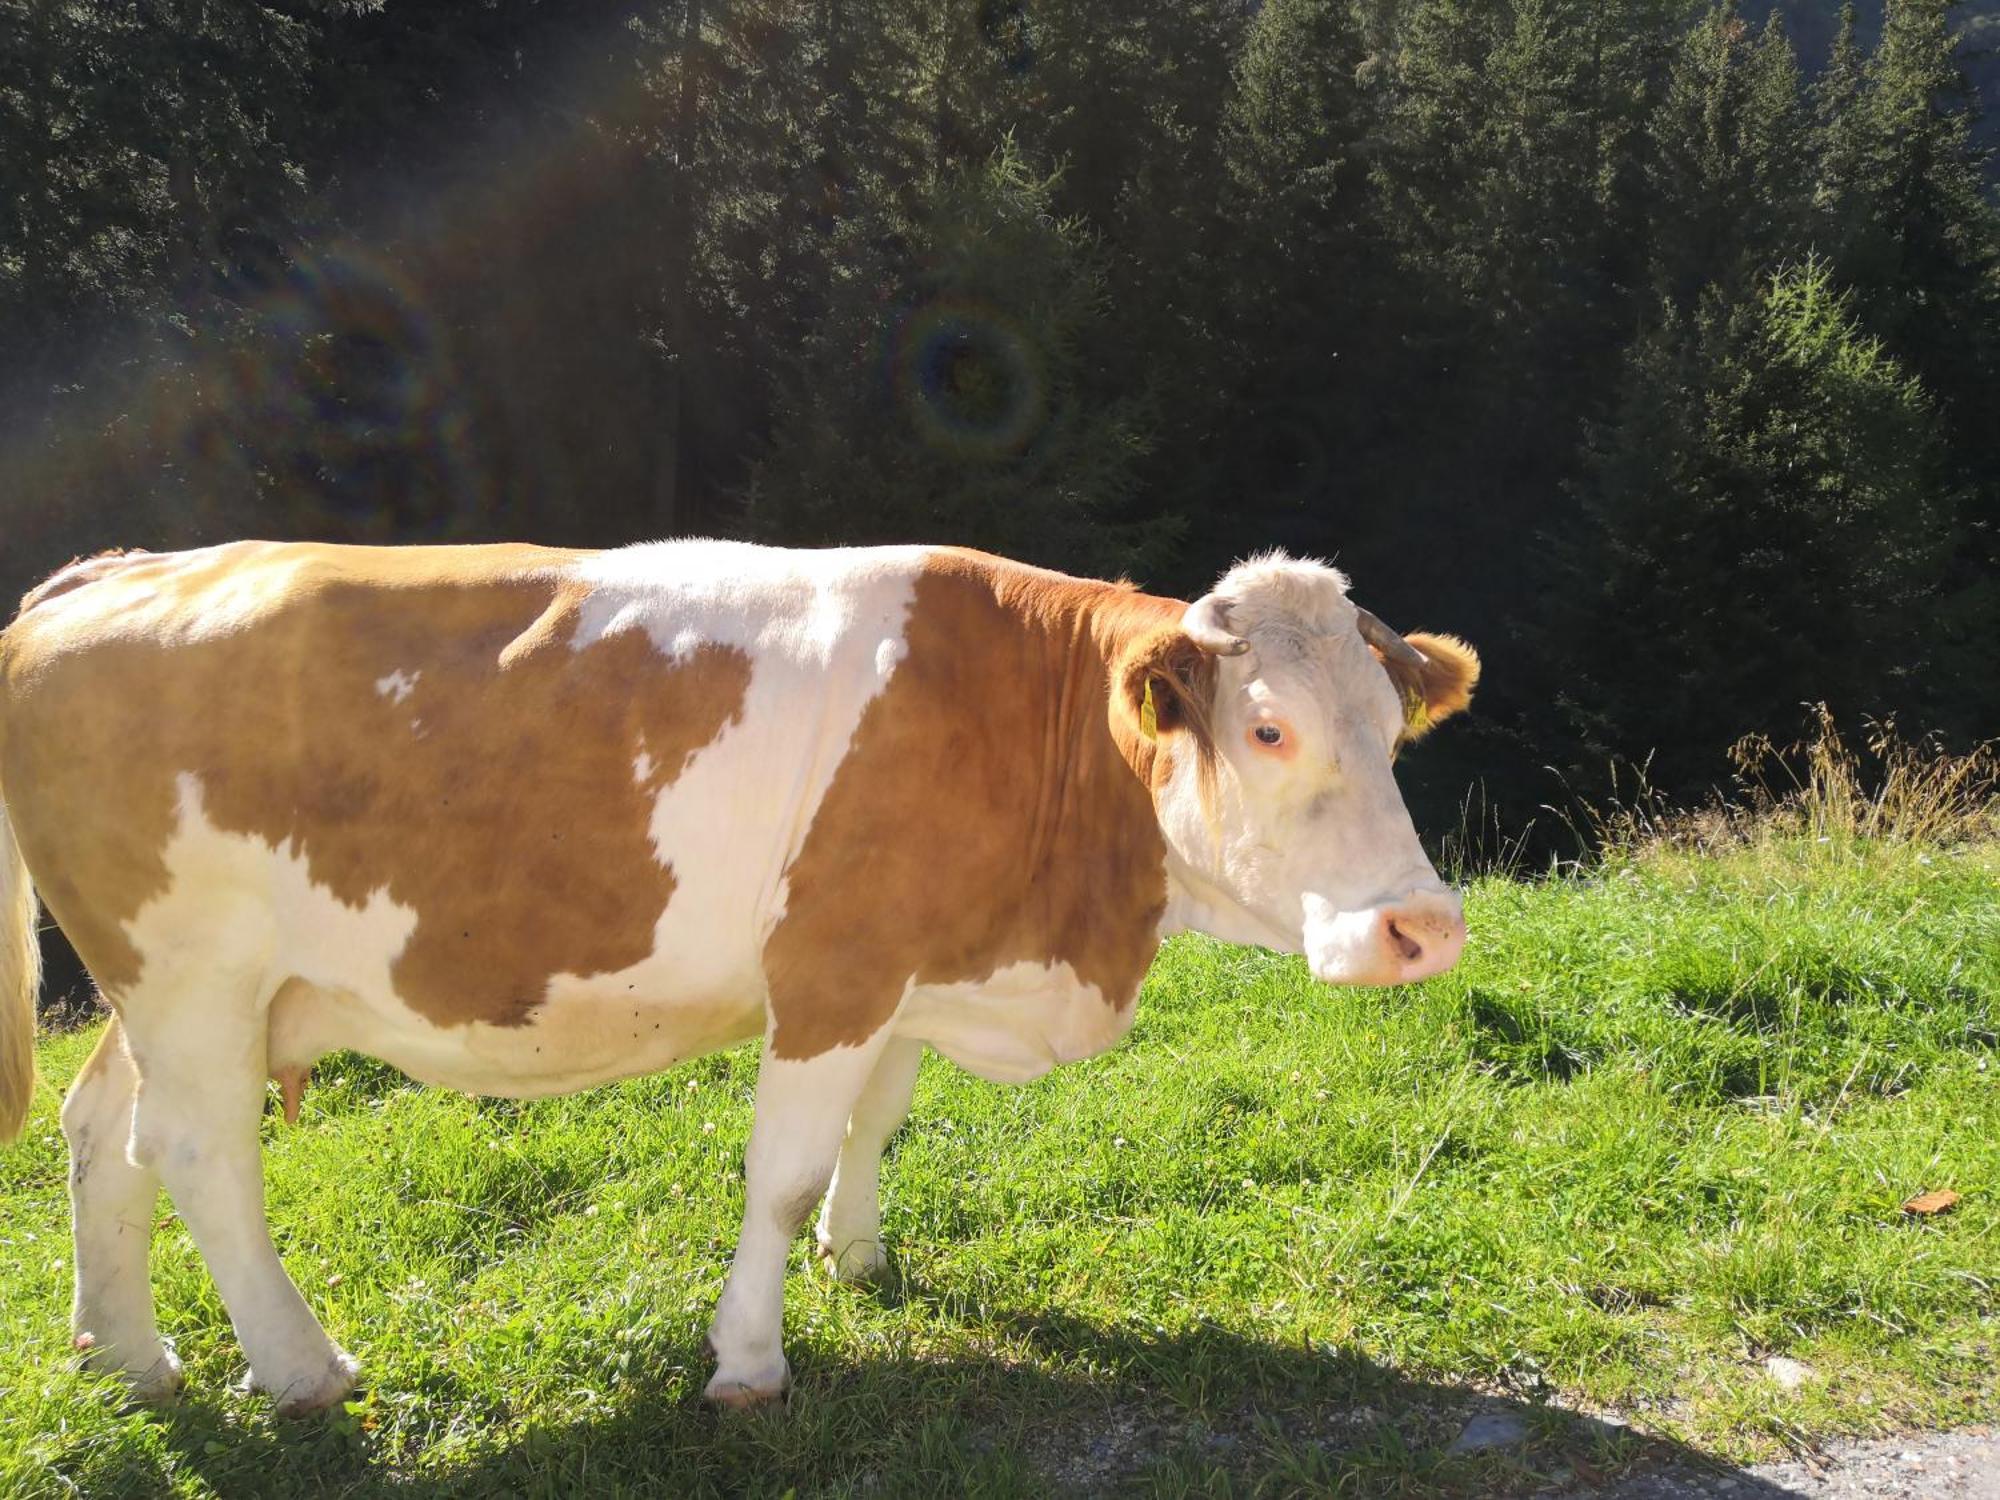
(1279, 708)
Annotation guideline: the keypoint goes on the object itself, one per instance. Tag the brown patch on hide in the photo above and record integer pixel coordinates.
(994, 806)
(489, 788)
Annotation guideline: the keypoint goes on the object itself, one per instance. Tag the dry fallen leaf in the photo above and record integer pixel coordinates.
(1931, 1203)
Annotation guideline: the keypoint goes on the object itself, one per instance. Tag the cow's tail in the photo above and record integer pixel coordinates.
(20, 980)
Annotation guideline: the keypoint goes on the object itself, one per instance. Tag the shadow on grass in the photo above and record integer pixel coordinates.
(1051, 1405)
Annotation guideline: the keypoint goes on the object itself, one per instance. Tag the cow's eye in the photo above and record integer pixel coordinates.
(1269, 734)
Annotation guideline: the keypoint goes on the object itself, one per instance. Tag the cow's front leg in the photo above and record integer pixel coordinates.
(850, 1225)
(802, 1109)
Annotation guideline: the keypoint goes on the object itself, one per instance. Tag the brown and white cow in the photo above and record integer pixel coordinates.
(522, 821)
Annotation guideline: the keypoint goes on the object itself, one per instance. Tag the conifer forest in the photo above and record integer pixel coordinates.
(1653, 346)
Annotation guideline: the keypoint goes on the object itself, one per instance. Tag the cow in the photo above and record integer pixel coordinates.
(519, 821)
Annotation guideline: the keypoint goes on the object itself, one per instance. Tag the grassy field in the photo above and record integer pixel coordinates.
(1657, 1128)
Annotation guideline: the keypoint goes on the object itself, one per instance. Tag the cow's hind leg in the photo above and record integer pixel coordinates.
(111, 1203)
(202, 1068)
(850, 1225)
(802, 1111)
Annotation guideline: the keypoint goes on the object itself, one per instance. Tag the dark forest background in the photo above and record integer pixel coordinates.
(1652, 346)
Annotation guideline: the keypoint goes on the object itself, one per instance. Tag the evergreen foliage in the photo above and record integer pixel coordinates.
(1763, 523)
(970, 412)
(1649, 350)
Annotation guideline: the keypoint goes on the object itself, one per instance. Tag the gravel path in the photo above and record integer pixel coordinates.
(1105, 1450)
(1944, 1466)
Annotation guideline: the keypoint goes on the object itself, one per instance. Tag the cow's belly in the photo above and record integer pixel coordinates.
(683, 1000)
(1017, 1023)
(238, 907)
(580, 1041)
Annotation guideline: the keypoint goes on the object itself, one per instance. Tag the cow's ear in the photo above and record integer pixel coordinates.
(1438, 689)
(1166, 683)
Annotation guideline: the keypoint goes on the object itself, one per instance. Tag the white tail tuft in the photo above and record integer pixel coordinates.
(20, 980)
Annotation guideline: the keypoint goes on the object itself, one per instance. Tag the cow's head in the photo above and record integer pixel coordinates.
(1277, 708)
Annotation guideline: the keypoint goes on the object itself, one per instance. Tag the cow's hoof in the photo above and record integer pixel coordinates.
(746, 1390)
(303, 1395)
(857, 1260)
(154, 1383)
(160, 1382)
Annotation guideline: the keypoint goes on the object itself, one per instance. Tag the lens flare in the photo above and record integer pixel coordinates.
(971, 380)
(346, 398)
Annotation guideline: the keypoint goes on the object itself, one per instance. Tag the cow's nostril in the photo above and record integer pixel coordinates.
(1407, 948)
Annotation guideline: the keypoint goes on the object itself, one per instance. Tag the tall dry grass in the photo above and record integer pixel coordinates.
(1824, 792)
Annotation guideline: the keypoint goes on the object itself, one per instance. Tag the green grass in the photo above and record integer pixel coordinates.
(1657, 1127)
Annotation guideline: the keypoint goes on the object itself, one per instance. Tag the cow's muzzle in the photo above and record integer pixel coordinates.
(1413, 937)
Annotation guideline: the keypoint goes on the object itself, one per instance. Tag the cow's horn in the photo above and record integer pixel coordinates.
(1390, 644)
(1206, 623)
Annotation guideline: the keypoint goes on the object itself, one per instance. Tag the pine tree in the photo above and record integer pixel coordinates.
(1840, 137)
(1294, 140)
(1926, 238)
(1128, 97)
(947, 395)
(1764, 519)
(145, 155)
(1923, 255)
(1727, 158)
(1505, 164)
(149, 171)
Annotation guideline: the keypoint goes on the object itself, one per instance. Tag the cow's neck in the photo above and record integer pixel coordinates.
(1005, 838)
(1095, 888)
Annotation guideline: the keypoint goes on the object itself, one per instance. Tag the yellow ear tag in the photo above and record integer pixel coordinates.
(1149, 715)
(1416, 712)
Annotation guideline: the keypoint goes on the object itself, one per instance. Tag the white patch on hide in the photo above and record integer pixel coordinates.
(817, 628)
(1017, 1023)
(398, 685)
(232, 898)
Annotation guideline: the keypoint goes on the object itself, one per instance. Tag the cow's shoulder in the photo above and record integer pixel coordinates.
(983, 819)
